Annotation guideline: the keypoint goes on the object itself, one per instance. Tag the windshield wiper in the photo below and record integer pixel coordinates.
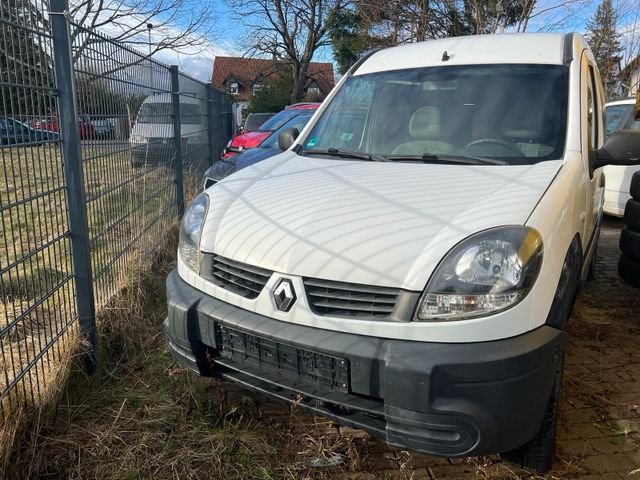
(450, 159)
(336, 152)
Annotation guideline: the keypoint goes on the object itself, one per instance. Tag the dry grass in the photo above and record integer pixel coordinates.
(142, 416)
(133, 206)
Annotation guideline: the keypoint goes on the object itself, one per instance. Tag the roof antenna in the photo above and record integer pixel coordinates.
(445, 56)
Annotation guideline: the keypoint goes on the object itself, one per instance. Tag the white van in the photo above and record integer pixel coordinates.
(152, 139)
(411, 274)
(620, 115)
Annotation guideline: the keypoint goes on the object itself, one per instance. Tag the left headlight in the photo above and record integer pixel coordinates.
(191, 231)
(484, 274)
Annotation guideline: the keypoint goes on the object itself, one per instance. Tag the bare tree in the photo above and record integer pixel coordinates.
(176, 24)
(289, 30)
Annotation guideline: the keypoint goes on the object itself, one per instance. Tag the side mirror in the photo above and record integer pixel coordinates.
(287, 137)
(621, 148)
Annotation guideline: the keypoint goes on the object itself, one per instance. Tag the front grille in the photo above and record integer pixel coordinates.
(239, 278)
(351, 300)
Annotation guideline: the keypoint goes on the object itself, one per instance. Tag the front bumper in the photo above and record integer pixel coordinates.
(438, 398)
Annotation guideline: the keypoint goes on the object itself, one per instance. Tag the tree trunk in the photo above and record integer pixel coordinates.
(299, 81)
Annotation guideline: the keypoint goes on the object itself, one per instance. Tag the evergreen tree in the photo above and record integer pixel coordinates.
(349, 38)
(275, 93)
(604, 41)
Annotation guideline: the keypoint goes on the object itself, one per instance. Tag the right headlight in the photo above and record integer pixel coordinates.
(484, 274)
(191, 231)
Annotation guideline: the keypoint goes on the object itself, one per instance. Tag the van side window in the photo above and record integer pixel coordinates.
(592, 118)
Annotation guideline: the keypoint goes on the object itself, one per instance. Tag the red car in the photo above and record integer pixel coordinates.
(87, 130)
(240, 143)
(49, 124)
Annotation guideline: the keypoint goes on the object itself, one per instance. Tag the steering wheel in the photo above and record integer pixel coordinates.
(495, 141)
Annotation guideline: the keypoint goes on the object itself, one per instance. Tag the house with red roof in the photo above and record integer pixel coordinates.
(242, 77)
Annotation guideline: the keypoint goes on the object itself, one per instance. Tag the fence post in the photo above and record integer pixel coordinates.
(210, 116)
(74, 179)
(177, 138)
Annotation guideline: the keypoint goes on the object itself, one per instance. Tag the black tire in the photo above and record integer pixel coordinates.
(630, 242)
(632, 214)
(635, 186)
(629, 270)
(537, 454)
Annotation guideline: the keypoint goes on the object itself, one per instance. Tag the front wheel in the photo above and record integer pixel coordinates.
(537, 454)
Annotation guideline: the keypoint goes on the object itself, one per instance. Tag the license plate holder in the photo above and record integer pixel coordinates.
(288, 360)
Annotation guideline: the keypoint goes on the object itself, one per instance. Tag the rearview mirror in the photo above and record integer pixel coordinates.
(621, 148)
(287, 137)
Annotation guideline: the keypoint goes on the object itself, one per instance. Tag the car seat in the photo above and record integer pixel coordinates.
(424, 129)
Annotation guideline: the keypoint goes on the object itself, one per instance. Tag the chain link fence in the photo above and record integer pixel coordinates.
(98, 144)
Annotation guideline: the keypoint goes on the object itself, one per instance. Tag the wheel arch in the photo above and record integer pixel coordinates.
(568, 286)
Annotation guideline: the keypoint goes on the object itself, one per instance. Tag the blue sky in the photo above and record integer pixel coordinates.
(228, 34)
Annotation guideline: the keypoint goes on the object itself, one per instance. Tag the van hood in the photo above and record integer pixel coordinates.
(386, 224)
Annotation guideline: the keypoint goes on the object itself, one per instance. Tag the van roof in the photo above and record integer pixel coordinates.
(504, 48)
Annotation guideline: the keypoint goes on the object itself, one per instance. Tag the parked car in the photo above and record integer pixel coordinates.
(620, 115)
(267, 149)
(254, 121)
(152, 135)
(14, 132)
(412, 275)
(87, 130)
(48, 123)
(104, 128)
(242, 142)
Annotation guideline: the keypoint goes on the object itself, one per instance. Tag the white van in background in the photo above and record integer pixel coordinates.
(152, 135)
(619, 116)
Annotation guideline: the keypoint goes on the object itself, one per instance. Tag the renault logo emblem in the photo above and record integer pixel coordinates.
(284, 295)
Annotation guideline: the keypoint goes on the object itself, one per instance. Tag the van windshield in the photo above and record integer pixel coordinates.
(161, 113)
(515, 114)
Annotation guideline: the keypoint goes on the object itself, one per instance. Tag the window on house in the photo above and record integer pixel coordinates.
(257, 87)
(234, 88)
(313, 89)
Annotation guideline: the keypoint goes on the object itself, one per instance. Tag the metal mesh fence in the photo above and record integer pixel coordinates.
(98, 144)
(37, 308)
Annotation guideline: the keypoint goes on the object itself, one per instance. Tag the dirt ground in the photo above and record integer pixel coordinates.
(144, 417)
